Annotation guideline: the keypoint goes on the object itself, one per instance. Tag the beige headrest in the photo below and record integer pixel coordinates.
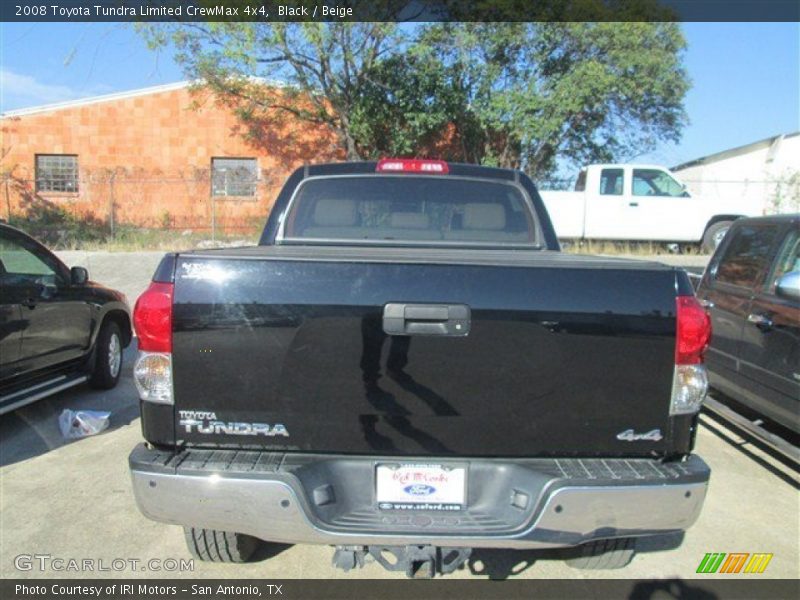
(335, 212)
(484, 215)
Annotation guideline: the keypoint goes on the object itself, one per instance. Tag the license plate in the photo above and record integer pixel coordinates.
(420, 487)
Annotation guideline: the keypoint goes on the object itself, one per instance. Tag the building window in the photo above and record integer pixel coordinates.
(56, 173)
(234, 176)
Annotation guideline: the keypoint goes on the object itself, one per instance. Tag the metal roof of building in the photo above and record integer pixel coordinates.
(732, 152)
(156, 89)
(146, 91)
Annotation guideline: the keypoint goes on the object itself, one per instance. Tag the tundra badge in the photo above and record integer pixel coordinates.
(206, 422)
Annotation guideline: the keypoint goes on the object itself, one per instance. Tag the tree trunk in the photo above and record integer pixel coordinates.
(350, 148)
(347, 140)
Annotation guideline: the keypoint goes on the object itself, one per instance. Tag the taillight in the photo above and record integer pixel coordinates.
(692, 335)
(152, 319)
(152, 375)
(412, 165)
(693, 331)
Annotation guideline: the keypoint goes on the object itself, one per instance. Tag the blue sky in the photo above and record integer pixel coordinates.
(745, 76)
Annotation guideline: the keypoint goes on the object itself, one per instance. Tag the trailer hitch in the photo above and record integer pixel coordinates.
(418, 562)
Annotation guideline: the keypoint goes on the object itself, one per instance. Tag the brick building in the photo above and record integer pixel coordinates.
(166, 156)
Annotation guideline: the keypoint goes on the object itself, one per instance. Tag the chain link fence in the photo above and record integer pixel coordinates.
(102, 207)
(125, 204)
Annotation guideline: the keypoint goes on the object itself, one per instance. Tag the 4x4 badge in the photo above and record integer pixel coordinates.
(654, 435)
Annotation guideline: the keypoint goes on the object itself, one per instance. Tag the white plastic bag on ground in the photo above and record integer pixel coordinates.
(76, 424)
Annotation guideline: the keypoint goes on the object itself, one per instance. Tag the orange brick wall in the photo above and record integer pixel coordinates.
(147, 158)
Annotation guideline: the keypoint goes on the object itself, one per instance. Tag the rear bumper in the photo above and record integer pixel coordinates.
(324, 499)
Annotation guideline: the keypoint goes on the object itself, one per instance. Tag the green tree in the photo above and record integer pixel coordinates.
(537, 92)
(321, 68)
(408, 108)
(523, 95)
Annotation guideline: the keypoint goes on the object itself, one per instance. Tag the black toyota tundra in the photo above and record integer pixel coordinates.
(406, 365)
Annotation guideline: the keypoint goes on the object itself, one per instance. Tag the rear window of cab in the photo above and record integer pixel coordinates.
(411, 209)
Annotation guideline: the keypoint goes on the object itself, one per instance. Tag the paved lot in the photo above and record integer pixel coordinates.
(73, 500)
(128, 272)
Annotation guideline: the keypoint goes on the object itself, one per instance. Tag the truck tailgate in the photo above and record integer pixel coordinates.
(563, 354)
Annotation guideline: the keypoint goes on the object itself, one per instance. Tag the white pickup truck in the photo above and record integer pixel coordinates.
(640, 203)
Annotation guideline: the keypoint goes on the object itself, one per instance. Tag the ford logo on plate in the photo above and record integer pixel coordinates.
(419, 489)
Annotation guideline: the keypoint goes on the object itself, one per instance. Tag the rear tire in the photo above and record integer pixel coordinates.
(604, 554)
(714, 236)
(211, 545)
(108, 357)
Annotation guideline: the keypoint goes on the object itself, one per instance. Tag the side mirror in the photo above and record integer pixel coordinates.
(788, 286)
(78, 276)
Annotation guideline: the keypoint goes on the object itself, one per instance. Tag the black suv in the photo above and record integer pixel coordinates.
(752, 286)
(57, 328)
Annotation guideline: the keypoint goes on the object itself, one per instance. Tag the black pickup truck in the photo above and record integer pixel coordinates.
(406, 364)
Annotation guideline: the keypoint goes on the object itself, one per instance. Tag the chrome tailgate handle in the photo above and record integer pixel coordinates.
(426, 319)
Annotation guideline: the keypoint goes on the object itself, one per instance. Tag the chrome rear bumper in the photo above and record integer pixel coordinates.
(537, 503)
